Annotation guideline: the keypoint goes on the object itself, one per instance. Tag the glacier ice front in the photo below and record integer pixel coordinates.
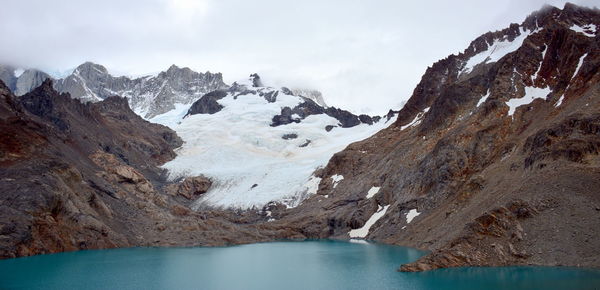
(247, 158)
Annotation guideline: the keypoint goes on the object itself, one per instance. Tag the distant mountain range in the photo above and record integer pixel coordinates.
(148, 96)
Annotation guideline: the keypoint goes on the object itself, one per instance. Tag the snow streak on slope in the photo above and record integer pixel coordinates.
(364, 231)
(247, 159)
(497, 50)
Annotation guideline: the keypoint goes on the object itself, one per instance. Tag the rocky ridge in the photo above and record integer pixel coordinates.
(493, 161)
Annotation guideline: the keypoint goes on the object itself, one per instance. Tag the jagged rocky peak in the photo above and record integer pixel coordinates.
(523, 59)
(89, 69)
(92, 82)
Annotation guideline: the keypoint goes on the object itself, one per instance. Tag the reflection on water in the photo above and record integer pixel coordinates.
(281, 265)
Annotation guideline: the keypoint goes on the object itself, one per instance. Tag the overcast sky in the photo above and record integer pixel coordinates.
(366, 56)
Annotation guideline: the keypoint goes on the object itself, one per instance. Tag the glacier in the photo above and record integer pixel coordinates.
(249, 162)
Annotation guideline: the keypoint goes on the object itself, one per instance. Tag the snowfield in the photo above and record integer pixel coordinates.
(247, 159)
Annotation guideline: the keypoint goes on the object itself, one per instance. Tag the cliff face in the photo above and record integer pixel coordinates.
(493, 160)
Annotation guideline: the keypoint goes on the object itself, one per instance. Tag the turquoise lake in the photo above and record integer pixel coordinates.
(278, 265)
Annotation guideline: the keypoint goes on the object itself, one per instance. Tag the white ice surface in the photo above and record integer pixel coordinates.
(413, 213)
(364, 231)
(531, 93)
(237, 148)
(374, 190)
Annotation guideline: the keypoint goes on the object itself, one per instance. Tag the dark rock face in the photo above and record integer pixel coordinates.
(289, 136)
(271, 96)
(309, 107)
(256, 82)
(346, 118)
(574, 139)
(208, 103)
(329, 128)
(301, 111)
(365, 119)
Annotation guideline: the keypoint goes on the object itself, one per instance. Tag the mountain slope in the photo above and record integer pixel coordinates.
(84, 176)
(493, 160)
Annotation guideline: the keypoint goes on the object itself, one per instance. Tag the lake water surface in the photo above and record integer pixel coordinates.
(278, 265)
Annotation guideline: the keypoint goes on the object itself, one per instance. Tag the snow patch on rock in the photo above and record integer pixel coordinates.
(312, 185)
(531, 93)
(581, 59)
(559, 102)
(364, 230)
(335, 179)
(588, 30)
(496, 51)
(413, 213)
(484, 98)
(374, 190)
(417, 120)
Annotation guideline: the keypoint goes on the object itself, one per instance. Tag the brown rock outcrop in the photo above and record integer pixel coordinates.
(190, 187)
